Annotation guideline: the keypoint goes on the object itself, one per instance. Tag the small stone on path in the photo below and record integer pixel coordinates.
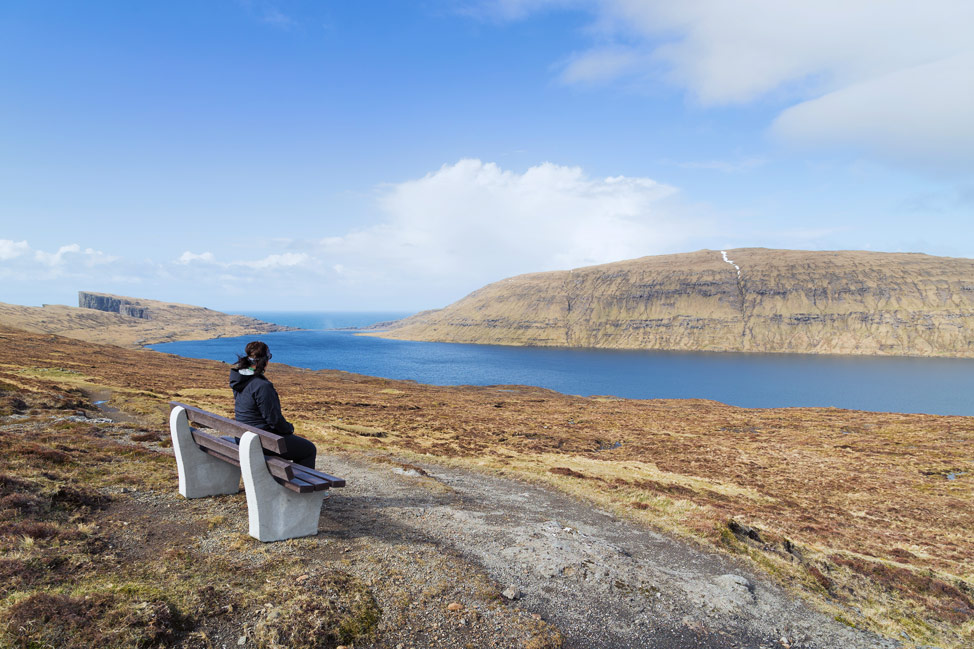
(511, 592)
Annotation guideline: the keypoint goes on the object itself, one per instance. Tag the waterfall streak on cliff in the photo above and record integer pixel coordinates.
(724, 253)
(740, 290)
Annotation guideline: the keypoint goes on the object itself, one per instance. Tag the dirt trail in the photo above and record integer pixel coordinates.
(604, 582)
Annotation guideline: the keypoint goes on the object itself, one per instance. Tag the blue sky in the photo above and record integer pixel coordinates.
(257, 154)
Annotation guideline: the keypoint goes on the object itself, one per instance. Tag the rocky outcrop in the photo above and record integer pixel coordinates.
(112, 304)
(750, 299)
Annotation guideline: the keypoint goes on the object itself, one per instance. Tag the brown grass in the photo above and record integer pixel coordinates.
(84, 564)
(329, 609)
(818, 488)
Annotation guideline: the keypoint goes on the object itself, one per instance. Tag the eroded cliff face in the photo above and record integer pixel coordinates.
(756, 300)
(112, 304)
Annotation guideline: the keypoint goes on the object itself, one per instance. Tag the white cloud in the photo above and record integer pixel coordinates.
(190, 257)
(12, 249)
(23, 265)
(283, 260)
(87, 257)
(472, 222)
(908, 63)
(56, 258)
(286, 260)
(922, 112)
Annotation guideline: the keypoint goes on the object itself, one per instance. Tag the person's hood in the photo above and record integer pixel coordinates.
(240, 378)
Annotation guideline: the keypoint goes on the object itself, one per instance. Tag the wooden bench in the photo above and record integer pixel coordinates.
(283, 498)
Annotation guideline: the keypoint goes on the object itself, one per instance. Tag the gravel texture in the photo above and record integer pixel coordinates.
(602, 581)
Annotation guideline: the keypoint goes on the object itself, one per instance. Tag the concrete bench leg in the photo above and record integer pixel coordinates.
(275, 513)
(199, 474)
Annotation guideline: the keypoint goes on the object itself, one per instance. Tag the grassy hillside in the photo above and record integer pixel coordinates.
(158, 322)
(867, 515)
(765, 301)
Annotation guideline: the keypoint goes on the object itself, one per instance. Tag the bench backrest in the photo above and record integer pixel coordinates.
(270, 441)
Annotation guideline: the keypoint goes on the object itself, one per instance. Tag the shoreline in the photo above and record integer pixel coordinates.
(850, 355)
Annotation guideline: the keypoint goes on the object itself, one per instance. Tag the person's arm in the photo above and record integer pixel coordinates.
(269, 405)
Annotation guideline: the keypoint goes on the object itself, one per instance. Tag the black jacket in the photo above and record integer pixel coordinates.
(255, 402)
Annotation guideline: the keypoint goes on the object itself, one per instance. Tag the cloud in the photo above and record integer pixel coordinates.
(835, 63)
(921, 113)
(285, 260)
(22, 264)
(434, 238)
(87, 257)
(56, 258)
(191, 257)
(473, 222)
(12, 249)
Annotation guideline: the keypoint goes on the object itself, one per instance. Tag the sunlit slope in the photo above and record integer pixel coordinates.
(129, 321)
(846, 302)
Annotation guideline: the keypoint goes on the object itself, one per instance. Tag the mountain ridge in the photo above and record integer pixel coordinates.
(739, 300)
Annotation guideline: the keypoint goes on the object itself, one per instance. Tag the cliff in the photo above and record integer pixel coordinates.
(112, 304)
(749, 299)
(130, 322)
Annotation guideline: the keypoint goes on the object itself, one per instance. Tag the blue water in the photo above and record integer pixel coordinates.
(327, 319)
(926, 385)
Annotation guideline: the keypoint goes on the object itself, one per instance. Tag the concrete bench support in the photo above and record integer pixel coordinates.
(275, 513)
(199, 474)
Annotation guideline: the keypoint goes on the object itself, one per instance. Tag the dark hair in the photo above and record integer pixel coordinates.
(257, 356)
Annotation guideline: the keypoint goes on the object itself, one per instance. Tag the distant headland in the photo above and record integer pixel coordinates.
(743, 300)
(130, 322)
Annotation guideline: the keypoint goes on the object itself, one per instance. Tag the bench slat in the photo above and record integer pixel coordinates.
(216, 443)
(279, 467)
(318, 483)
(297, 485)
(270, 441)
(220, 456)
(302, 471)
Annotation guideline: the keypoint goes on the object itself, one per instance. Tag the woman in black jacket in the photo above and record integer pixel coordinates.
(255, 402)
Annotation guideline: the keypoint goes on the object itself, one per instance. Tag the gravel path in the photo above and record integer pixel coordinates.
(604, 582)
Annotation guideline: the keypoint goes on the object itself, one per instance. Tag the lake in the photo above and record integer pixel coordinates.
(886, 384)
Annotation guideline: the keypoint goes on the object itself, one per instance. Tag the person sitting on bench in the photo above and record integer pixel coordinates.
(256, 403)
